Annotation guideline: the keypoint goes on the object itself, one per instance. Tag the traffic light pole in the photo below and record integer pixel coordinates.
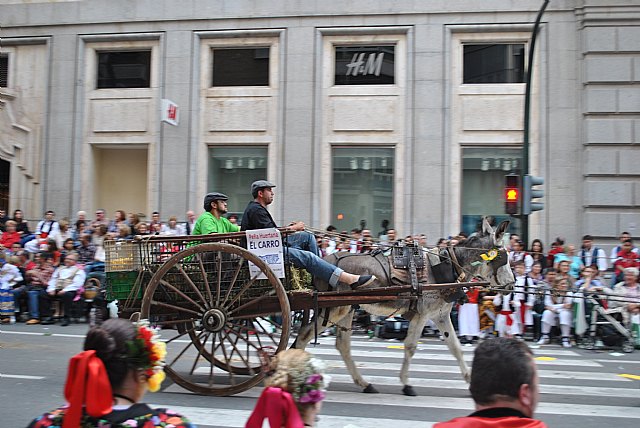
(527, 112)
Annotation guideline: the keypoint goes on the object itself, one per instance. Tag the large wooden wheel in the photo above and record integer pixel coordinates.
(216, 317)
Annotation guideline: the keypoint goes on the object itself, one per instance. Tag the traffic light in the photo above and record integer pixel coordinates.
(529, 193)
(511, 194)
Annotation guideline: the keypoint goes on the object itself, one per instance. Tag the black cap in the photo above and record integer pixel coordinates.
(212, 197)
(260, 184)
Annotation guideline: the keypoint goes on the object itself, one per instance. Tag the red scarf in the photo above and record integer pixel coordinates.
(277, 406)
(87, 387)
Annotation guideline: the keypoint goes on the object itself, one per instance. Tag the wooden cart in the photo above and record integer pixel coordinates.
(216, 318)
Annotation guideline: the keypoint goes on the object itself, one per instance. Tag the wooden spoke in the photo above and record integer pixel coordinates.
(233, 281)
(244, 289)
(174, 307)
(190, 282)
(184, 296)
(227, 358)
(206, 281)
(200, 349)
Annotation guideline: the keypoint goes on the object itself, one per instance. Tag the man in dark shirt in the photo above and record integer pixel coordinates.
(302, 248)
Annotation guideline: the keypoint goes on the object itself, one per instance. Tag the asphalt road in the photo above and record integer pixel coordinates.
(578, 387)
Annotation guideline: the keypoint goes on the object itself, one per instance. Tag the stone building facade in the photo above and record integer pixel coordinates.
(410, 111)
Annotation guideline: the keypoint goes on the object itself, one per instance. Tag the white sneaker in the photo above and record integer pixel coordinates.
(544, 340)
(12, 320)
(566, 343)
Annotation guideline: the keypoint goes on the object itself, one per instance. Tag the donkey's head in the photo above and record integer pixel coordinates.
(485, 255)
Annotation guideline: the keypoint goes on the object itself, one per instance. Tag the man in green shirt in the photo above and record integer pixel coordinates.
(215, 205)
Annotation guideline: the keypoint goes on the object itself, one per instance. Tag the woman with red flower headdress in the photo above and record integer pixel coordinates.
(295, 389)
(107, 381)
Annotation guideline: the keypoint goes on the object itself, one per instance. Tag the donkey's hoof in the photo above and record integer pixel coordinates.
(370, 389)
(408, 390)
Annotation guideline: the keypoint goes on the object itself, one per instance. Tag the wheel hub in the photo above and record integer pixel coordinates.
(214, 320)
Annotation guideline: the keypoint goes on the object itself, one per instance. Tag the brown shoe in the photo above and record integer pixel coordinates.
(5, 321)
(33, 321)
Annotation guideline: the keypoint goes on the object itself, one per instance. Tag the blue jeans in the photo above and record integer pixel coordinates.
(33, 302)
(302, 252)
(303, 241)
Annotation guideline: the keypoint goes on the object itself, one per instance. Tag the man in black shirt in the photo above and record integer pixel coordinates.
(303, 249)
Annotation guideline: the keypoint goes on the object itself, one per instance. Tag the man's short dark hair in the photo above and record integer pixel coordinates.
(549, 270)
(500, 367)
(587, 238)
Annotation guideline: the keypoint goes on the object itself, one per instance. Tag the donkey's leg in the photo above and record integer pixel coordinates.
(343, 345)
(410, 345)
(443, 322)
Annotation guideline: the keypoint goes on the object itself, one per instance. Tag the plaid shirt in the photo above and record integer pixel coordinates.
(86, 254)
(40, 276)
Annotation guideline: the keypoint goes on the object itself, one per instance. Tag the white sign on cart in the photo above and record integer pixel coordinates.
(266, 244)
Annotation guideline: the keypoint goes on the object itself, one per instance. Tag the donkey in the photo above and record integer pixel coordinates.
(493, 267)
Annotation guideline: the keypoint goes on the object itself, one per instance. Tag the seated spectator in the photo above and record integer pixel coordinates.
(589, 281)
(64, 234)
(593, 256)
(37, 282)
(518, 254)
(67, 248)
(615, 250)
(191, 221)
(133, 219)
(22, 227)
(536, 272)
(120, 217)
(172, 228)
(504, 386)
(537, 253)
(562, 272)
(101, 220)
(558, 306)
(9, 276)
(575, 262)
(507, 322)
(142, 228)
(295, 388)
(628, 294)
(86, 252)
(3, 219)
(626, 257)
(106, 383)
(124, 232)
(557, 247)
(10, 236)
(63, 286)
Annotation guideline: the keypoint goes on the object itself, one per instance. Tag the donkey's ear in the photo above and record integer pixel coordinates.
(486, 227)
(500, 231)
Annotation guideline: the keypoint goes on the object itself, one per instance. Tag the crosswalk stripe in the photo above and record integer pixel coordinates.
(442, 357)
(465, 405)
(586, 391)
(238, 418)
(428, 368)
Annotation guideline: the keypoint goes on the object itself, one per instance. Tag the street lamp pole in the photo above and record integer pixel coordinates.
(527, 112)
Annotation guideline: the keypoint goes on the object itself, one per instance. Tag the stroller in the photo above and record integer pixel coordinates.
(606, 325)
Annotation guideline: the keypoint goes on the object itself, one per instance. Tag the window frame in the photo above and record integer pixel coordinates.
(489, 43)
(240, 47)
(150, 75)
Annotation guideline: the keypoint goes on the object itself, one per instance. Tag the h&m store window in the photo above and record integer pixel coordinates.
(124, 69)
(362, 188)
(483, 171)
(241, 67)
(365, 65)
(493, 63)
(233, 169)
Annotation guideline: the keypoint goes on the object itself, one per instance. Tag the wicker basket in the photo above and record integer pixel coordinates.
(122, 256)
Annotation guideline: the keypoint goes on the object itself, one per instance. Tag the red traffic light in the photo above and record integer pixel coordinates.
(511, 195)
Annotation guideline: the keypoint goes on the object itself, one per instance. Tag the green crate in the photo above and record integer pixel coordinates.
(120, 285)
